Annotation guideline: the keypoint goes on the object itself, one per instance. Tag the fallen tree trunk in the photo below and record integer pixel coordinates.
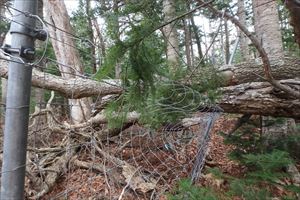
(259, 98)
(73, 88)
(252, 71)
(251, 98)
(79, 87)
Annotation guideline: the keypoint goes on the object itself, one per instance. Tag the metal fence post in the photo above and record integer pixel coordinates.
(17, 104)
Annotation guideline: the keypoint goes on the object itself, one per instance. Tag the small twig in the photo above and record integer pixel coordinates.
(45, 150)
(87, 165)
(106, 178)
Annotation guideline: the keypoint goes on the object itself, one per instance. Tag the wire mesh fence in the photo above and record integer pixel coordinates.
(89, 159)
(143, 162)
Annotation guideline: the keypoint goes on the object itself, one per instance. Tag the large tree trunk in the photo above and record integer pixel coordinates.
(75, 88)
(80, 87)
(171, 37)
(259, 98)
(243, 98)
(251, 71)
(267, 29)
(91, 33)
(56, 13)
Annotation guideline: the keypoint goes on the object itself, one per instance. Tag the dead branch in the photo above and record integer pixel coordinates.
(87, 165)
(100, 118)
(136, 182)
(46, 150)
(57, 169)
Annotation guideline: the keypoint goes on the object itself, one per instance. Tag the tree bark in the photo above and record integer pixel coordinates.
(75, 88)
(258, 98)
(91, 33)
(227, 45)
(253, 98)
(187, 42)
(252, 71)
(267, 29)
(198, 40)
(57, 15)
(171, 37)
(101, 45)
(245, 53)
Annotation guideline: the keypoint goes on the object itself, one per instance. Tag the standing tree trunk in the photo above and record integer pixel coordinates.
(101, 45)
(67, 55)
(171, 36)
(245, 53)
(187, 42)
(213, 55)
(91, 33)
(266, 23)
(198, 40)
(227, 45)
(118, 68)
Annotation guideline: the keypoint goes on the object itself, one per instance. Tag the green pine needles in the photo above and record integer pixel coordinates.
(187, 191)
(151, 89)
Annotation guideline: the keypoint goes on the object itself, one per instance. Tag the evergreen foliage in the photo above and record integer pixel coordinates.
(187, 191)
(150, 88)
(82, 29)
(288, 39)
(266, 165)
(266, 168)
(4, 26)
(264, 172)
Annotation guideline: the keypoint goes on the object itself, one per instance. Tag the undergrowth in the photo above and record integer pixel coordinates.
(266, 170)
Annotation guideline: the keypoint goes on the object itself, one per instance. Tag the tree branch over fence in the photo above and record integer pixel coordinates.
(73, 88)
(248, 92)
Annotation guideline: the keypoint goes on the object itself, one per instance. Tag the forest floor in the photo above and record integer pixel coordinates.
(87, 183)
(92, 185)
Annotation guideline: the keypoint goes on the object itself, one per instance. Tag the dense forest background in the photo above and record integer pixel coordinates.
(162, 99)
